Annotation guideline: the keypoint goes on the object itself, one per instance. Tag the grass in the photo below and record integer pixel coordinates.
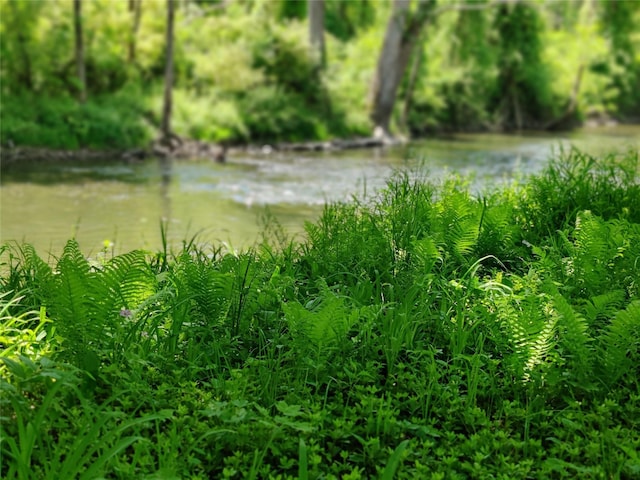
(420, 333)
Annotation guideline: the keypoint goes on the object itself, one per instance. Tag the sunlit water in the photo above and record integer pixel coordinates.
(122, 204)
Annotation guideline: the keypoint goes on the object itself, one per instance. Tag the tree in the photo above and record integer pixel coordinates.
(400, 38)
(19, 22)
(79, 49)
(522, 97)
(135, 7)
(316, 30)
(168, 74)
(619, 22)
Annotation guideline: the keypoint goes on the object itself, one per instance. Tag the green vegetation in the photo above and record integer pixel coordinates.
(419, 333)
(244, 71)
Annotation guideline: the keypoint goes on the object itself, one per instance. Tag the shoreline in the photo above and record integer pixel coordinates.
(181, 148)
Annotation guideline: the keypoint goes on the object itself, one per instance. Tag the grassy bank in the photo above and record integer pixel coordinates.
(420, 333)
(114, 122)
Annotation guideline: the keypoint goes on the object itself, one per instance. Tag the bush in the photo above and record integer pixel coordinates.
(110, 122)
(271, 113)
(207, 117)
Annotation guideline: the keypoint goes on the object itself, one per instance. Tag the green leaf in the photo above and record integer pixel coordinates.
(394, 461)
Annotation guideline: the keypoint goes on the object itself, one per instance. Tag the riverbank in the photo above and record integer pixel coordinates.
(184, 149)
(123, 202)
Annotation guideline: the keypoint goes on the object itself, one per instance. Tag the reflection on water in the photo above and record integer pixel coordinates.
(48, 204)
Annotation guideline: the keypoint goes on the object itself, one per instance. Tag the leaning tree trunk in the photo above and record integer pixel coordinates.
(168, 74)
(79, 49)
(316, 30)
(401, 36)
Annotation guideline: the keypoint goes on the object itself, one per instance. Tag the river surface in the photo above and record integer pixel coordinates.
(123, 205)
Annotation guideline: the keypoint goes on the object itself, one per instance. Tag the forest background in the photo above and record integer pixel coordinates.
(247, 71)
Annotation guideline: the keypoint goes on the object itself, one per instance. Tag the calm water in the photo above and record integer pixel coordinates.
(125, 204)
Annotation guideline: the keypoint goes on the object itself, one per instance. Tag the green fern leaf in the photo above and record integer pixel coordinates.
(575, 340)
(123, 283)
(603, 307)
(620, 345)
(323, 320)
(70, 309)
(457, 223)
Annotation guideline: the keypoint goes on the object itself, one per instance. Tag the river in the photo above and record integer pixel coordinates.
(123, 205)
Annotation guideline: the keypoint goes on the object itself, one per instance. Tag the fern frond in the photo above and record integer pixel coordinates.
(575, 340)
(426, 254)
(124, 282)
(323, 320)
(603, 307)
(620, 345)
(36, 268)
(71, 304)
(591, 252)
(497, 229)
(540, 343)
(207, 287)
(457, 221)
(529, 324)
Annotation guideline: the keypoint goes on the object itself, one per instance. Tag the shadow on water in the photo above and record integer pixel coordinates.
(46, 204)
(73, 172)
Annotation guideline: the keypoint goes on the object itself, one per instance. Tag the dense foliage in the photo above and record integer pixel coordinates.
(420, 333)
(244, 70)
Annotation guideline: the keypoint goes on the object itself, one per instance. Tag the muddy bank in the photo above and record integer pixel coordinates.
(175, 148)
(180, 148)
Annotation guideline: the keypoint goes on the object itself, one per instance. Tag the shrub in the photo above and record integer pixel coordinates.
(108, 123)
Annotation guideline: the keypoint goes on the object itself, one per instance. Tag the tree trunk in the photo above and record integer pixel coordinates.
(408, 98)
(316, 30)
(79, 49)
(25, 76)
(401, 36)
(168, 75)
(571, 106)
(135, 7)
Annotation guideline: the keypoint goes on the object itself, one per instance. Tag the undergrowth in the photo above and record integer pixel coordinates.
(114, 122)
(419, 333)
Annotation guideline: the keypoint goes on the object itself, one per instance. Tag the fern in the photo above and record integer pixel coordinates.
(323, 320)
(457, 224)
(619, 347)
(72, 302)
(118, 290)
(426, 254)
(497, 231)
(600, 308)
(524, 327)
(123, 283)
(206, 288)
(600, 256)
(540, 343)
(86, 303)
(574, 339)
(529, 325)
(591, 253)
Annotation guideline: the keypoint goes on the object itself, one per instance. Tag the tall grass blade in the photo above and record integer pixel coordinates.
(394, 461)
